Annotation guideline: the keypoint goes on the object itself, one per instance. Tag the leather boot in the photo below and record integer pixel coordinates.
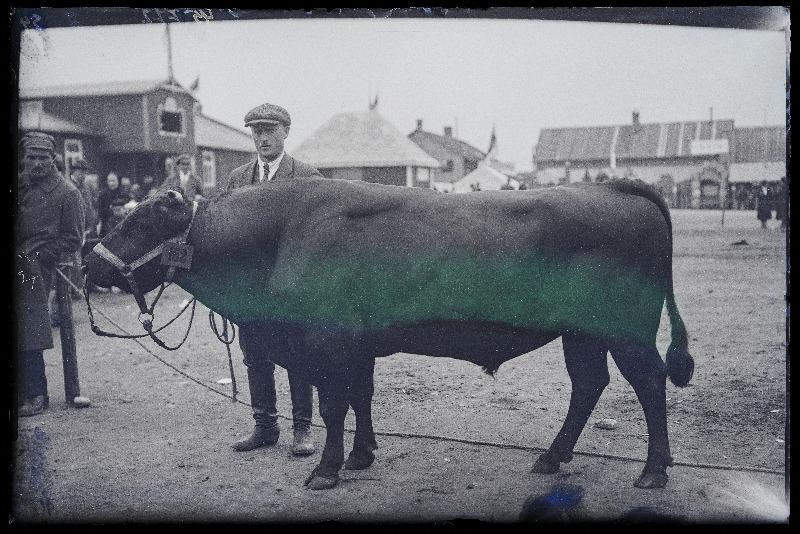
(33, 406)
(303, 445)
(262, 436)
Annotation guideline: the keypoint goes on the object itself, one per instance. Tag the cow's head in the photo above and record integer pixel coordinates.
(150, 224)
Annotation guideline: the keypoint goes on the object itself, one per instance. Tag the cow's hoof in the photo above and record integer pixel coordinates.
(652, 480)
(321, 482)
(545, 465)
(359, 460)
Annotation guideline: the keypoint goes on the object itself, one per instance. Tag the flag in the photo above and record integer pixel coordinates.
(492, 152)
(374, 103)
(195, 85)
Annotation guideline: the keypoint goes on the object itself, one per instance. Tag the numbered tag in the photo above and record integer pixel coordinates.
(177, 255)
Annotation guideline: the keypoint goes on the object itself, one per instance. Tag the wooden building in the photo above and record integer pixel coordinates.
(456, 158)
(365, 146)
(131, 128)
(692, 163)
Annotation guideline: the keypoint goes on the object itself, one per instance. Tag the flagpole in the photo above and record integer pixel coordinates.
(170, 73)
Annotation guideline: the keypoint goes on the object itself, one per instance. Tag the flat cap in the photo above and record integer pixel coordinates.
(183, 157)
(38, 140)
(267, 114)
(79, 164)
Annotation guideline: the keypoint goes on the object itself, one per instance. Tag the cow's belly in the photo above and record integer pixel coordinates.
(483, 343)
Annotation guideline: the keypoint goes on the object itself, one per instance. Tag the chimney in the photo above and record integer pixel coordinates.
(636, 117)
(448, 131)
(419, 124)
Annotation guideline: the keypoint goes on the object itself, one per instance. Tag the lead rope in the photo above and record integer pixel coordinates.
(224, 338)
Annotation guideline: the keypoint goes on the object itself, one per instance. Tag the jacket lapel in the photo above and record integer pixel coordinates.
(286, 169)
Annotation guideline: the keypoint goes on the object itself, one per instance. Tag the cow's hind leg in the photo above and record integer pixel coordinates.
(646, 372)
(333, 407)
(361, 393)
(588, 370)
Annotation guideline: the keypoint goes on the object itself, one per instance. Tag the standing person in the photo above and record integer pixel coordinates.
(111, 204)
(48, 228)
(184, 178)
(89, 195)
(779, 203)
(763, 204)
(269, 126)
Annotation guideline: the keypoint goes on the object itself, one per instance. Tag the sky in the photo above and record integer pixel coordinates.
(474, 75)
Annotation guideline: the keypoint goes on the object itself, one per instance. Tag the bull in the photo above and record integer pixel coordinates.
(335, 274)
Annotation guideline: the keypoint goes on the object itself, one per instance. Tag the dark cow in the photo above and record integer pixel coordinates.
(337, 273)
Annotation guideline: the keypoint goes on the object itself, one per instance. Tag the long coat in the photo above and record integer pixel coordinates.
(49, 227)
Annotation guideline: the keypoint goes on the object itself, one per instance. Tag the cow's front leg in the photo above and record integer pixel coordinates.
(588, 370)
(361, 393)
(333, 409)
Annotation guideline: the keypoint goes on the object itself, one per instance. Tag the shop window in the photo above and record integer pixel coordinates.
(171, 119)
(73, 150)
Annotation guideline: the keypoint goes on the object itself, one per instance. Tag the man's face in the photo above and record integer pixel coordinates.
(38, 162)
(184, 166)
(269, 139)
(78, 175)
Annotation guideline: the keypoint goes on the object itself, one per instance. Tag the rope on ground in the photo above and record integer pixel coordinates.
(445, 438)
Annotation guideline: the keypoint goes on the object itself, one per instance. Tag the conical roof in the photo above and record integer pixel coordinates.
(361, 139)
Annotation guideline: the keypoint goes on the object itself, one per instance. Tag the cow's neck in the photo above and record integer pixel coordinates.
(234, 240)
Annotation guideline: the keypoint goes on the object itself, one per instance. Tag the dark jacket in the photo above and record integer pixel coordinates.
(193, 186)
(49, 227)
(109, 208)
(289, 168)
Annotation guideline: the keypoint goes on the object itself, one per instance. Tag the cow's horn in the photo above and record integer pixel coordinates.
(175, 195)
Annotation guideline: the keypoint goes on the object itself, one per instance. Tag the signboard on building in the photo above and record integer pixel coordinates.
(709, 147)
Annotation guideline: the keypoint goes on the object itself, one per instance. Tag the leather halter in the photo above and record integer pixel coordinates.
(127, 269)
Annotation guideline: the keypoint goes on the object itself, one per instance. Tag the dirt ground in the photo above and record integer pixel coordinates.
(456, 445)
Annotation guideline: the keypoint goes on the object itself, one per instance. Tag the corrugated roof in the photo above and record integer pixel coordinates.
(759, 144)
(135, 87)
(33, 117)
(452, 144)
(211, 133)
(361, 139)
(655, 140)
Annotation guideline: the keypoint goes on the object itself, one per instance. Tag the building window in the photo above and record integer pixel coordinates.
(209, 169)
(73, 150)
(171, 119)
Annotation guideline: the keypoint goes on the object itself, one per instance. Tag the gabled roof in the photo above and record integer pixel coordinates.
(135, 87)
(449, 143)
(486, 177)
(759, 144)
(33, 117)
(211, 133)
(656, 140)
(361, 139)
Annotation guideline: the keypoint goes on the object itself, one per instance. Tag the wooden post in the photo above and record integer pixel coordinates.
(69, 354)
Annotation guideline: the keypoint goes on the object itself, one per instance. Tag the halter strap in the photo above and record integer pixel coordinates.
(126, 269)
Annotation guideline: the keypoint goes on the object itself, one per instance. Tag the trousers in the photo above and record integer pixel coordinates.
(261, 379)
(32, 381)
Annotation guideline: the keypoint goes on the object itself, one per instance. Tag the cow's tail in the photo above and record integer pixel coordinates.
(680, 364)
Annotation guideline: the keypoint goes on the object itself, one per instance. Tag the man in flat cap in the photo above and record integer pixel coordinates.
(48, 228)
(182, 177)
(269, 125)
